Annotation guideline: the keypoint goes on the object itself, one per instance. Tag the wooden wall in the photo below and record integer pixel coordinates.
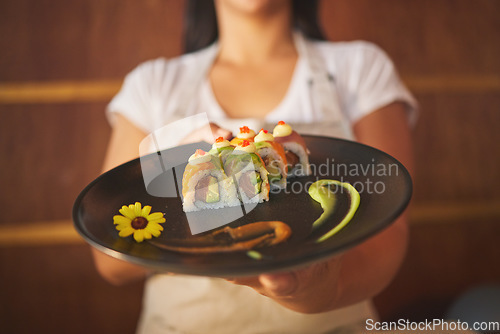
(61, 61)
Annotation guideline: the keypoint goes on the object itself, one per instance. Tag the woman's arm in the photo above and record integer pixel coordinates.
(388, 130)
(365, 270)
(123, 146)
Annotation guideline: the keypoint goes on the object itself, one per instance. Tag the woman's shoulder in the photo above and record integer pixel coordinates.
(353, 57)
(349, 49)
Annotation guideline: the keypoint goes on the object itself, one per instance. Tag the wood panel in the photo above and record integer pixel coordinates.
(64, 91)
(55, 289)
(82, 39)
(423, 37)
(444, 260)
(456, 148)
(49, 154)
(55, 92)
(49, 40)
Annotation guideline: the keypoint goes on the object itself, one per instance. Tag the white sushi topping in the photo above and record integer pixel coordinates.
(282, 130)
(245, 146)
(199, 157)
(264, 135)
(245, 133)
(220, 143)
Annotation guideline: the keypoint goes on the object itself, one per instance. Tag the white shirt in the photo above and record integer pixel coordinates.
(161, 91)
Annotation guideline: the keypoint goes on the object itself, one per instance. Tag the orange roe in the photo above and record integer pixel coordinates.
(219, 140)
(200, 152)
(265, 131)
(281, 123)
(244, 129)
(245, 143)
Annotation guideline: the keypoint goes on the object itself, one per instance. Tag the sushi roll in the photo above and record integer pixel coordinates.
(273, 155)
(245, 134)
(205, 185)
(297, 154)
(221, 148)
(249, 173)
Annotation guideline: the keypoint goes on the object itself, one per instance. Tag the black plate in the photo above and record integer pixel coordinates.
(384, 184)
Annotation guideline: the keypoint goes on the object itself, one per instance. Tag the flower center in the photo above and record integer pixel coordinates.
(139, 223)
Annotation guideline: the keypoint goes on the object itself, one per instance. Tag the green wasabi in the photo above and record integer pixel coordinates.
(254, 255)
(321, 192)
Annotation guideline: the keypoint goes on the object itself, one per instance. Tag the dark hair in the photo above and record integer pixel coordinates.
(200, 22)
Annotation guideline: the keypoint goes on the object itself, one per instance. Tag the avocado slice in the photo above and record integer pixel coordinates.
(256, 181)
(213, 191)
(274, 172)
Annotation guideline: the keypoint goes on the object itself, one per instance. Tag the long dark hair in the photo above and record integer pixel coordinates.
(200, 22)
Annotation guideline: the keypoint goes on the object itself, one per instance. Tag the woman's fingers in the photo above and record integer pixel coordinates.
(298, 283)
(207, 133)
(279, 285)
(251, 281)
(217, 132)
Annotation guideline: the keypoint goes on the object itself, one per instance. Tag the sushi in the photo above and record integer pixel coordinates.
(273, 155)
(245, 169)
(249, 173)
(245, 134)
(221, 148)
(297, 154)
(205, 185)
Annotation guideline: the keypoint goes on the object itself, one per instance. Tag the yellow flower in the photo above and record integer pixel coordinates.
(139, 222)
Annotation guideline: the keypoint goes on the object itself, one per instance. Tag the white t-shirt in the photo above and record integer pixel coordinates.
(160, 91)
(365, 80)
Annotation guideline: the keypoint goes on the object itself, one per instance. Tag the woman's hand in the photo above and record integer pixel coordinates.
(206, 133)
(365, 270)
(310, 290)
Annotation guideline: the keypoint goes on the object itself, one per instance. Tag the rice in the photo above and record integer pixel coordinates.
(263, 195)
(302, 168)
(226, 187)
(276, 161)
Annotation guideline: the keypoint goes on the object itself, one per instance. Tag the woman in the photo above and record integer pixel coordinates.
(262, 69)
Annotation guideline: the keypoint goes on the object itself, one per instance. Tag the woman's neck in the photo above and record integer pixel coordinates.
(254, 38)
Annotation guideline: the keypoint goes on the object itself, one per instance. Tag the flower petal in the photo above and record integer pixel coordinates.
(127, 212)
(147, 234)
(126, 232)
(157, 221)
(137, 209)
(155, 232)
(139, 235)
(155, 226)
(154, 216)
(118, 219)
(120, 227)
(145, 211)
